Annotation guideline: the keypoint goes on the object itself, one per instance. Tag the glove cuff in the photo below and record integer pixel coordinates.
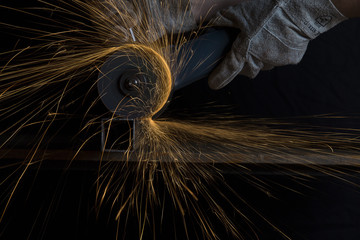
(313, 17)
(172, 15)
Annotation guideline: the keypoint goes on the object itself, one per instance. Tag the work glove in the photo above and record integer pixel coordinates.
(273, 33)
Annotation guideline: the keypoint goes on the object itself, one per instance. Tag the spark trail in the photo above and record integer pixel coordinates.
(178, 156)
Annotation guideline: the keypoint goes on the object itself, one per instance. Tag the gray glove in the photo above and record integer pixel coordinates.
(273, 33)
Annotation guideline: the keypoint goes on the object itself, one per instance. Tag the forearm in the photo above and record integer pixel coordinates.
(206, 9)
(350, 8)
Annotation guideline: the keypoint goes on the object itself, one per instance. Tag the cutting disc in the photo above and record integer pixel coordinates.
(135, 82)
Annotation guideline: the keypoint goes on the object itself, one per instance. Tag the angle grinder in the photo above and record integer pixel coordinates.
(129, 82)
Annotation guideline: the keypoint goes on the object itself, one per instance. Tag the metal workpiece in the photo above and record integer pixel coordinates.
(349, 159)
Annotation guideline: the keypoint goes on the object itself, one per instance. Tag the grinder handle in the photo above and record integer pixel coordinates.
(202, 55)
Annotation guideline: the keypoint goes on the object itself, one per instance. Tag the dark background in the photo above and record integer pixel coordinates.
(53, 203)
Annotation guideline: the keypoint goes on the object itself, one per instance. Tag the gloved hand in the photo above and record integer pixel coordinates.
(273, 33)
